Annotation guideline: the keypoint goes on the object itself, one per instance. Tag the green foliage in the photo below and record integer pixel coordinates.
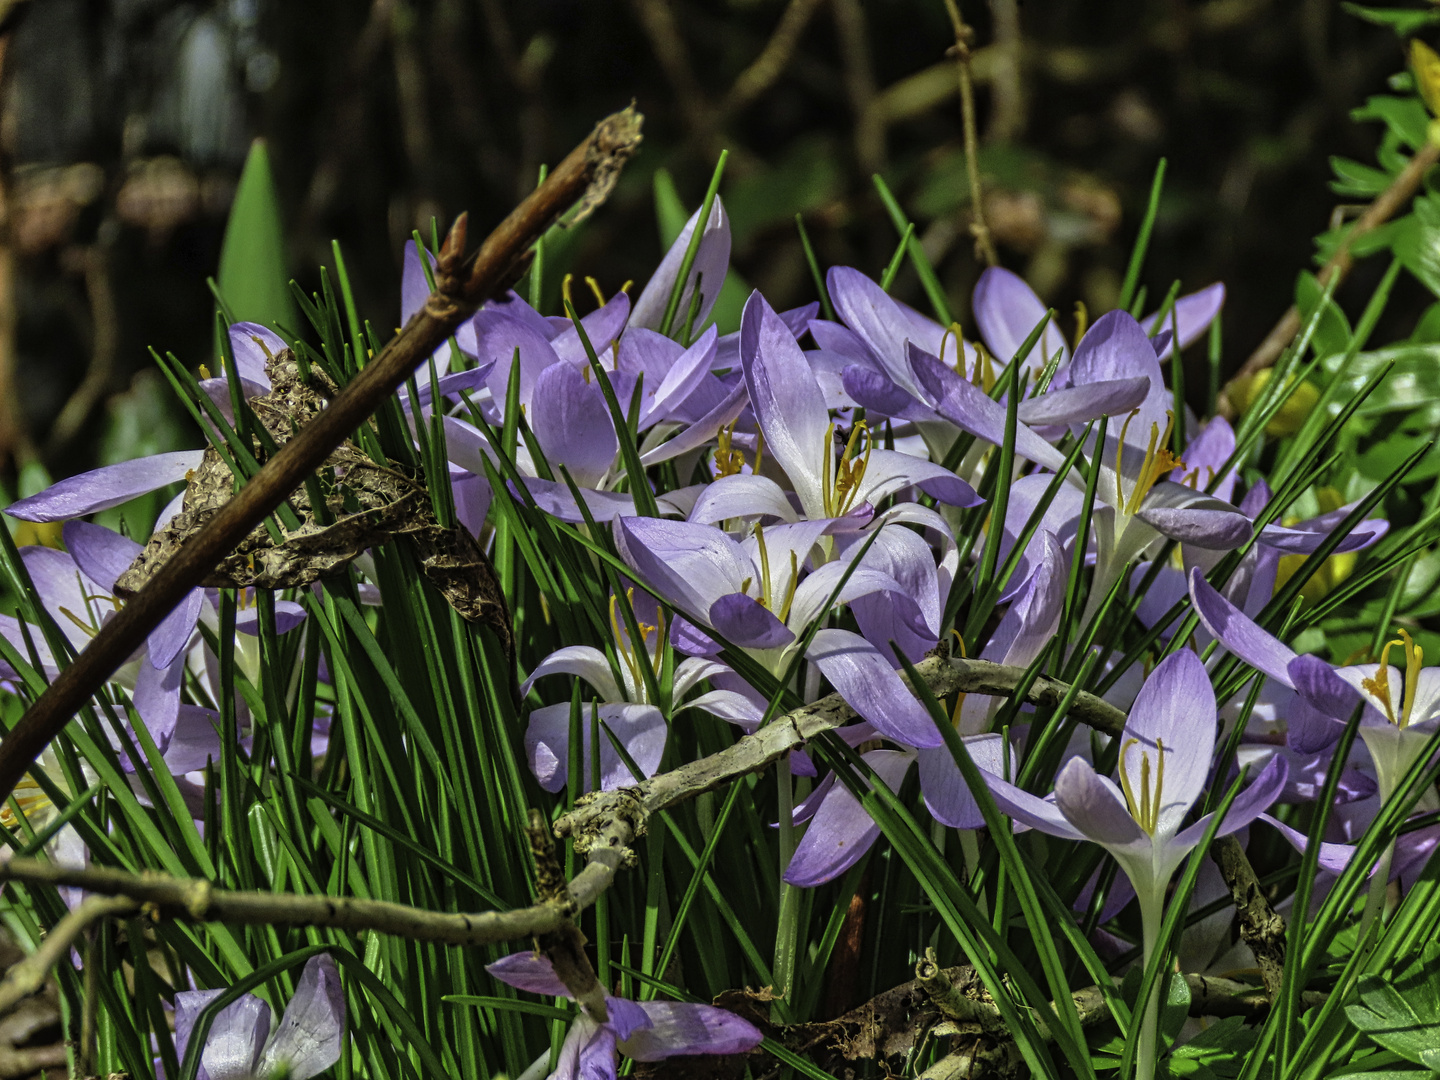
(253, 268)
(1403, 1014)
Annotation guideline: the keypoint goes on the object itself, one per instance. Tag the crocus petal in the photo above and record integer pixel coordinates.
(237, 1033)
(414, 288)
(1206, 454)
(683, 378)
(101, 553)
(876, 392)
(842, 830)
(157, 700)
(252, 345)
(1333, 858)
(744, 621)
(887, 471)
(626, 1017)
(1238, 633)
(971, 409)
(582, 661)
(1248, 805)
(1176, 709)
(1007, 312)
(702, 430)
(498, 337)
(1324, 690)
(103, 488)
(947, 796)
(1095, 807)
(789, 408)
(742, 495)
(874, 316)
(1193, 314)
(308, 1040)
(1028, 809)
(712, 260)
(691, 565)
(194, 741)
(172, 636)
(639, 728)
(528, 971)
(572, 422)
(1080, 404)
(868, 683)
(556, 499)
(602, 326)
(1181, 514)
(1116, 348)
(680, 1028)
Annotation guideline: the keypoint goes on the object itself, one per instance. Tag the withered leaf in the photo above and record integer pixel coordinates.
(366, 504)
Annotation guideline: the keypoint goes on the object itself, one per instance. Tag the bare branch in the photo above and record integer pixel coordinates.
(29, 975)
(587, 174)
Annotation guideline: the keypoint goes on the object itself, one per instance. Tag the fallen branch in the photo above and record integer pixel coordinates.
(29, 975)
(609, 820)
(587, 175)
(1260, 927)
(1386, 205)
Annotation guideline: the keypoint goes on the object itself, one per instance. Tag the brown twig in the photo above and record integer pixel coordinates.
(964, 35)
(854, 40)
(587, 174)
(93, 264)
(1386, 205)
(751, 83)
(1260, 927)
(660, 26)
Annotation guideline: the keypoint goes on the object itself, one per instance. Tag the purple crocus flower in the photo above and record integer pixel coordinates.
(1165, 759)
(791, 414)
(752, 593)
(712, 262)
(306, 1043)
(1402, 709)
(641, 1030)
(625, 707)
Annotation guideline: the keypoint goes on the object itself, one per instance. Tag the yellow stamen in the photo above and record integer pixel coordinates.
(595, 288)
(1379, 683)
(1082, 321)
(728, 461)
(85, 627)
(1146, 809)
(626, 287)
(960, 697)
(1158, 463)
(764, 565)
(783, 614)
(204, 372)
(1414, 656)
(30, 798)
(849, 471)
(565, 288)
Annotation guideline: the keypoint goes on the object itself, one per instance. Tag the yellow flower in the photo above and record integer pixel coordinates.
(1299, 403)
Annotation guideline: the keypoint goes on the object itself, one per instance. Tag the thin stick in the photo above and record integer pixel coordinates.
(1260, 927)
(29, 975)
(1386, 205)
(964, 35)
(587, 174)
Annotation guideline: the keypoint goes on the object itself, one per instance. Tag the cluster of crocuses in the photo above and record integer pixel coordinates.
(828, 489)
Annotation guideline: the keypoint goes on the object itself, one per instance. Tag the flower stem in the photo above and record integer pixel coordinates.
(1152, 913)
(786, 931)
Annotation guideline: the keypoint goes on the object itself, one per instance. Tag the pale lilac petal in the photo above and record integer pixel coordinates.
(498, 337)
(842, 341)
(1095, 807)
(1176, 708)
(1238, 633)
(1333, 858)
(232, 1048)
(1116, 348)
(1325, 691)
(597, 1056)
(1007, 312)
(414, 289)
(742, 495)
(947, 796)
(602, 326)
(682, 380)
(626, 1017)
(1177, 512)
(873, 315)
(1193, 314)
(582, 661)
(528, 971)
(680, 1028)
(1205, 456)
(888, 471)
(702, 430)
(252, 345)
(1081, 404)
(741, 620)
(171, 638)
(555, 498)
(691, 565)
(639, 728)
(103, 488)
(573, 425)
(1028, 809)
(311, 1032)
(971, 409)
(876, 392)
(157, 700)
(101, 553)
(868, 683)
(1248, 805)
(789, 407)
(712, 260)
(842, 830)
(288, 615)
(1305, 541)
(195, 740)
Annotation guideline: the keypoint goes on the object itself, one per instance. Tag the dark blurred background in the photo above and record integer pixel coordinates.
(124, 124)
